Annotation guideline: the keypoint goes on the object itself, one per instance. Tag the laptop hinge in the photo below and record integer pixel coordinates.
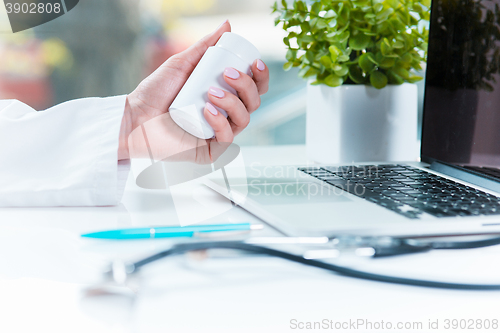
(465, 175)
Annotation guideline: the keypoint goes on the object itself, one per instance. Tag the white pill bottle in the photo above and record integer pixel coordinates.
(186, 110)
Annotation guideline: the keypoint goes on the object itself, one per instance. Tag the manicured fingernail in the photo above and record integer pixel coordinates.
(220, 25)
(216, 92)
(260, 65)
(211, 109)
(231, 73)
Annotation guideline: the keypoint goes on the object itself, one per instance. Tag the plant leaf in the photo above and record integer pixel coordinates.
(414, 78)
(387, 62)
(291, 54)
(287, 66)
(384, 14)
(365, 63)
(401, 72)
(334, 52)
(342, 71)
(385, 47)
(321, 23)
(344, 36)
(426, 3)
(310, 56)
(378, 79)
(329, 14)
(333, 80)
(326, 61)
(398, 45)
(370, 57)
(356, 74)
(394, 78)
(315, 8)
(359, 42)
(343, 58)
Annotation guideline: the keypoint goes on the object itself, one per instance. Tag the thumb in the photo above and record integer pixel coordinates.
(194, 53)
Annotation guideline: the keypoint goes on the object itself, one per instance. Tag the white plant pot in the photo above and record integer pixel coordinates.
(358, 123)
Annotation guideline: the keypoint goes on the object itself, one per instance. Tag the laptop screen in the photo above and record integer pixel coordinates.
(462, 99)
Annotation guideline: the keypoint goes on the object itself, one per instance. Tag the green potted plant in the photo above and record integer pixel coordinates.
(360, 59)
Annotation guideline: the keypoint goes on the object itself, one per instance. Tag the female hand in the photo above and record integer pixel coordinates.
(149, 131)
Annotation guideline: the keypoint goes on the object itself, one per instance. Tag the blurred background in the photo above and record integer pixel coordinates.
(105, 48)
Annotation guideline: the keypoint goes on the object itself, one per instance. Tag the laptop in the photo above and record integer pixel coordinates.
(453, 190)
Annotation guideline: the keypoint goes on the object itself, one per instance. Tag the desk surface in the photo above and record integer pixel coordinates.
(45, 267)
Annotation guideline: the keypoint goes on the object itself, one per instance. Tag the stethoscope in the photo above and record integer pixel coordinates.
(120, 273)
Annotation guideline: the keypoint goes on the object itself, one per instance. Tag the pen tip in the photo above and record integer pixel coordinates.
(256, 227)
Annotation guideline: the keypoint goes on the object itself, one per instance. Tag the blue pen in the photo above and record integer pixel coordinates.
(170, 232)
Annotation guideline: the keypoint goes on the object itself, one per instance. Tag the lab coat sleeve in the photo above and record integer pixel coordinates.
(64, 156)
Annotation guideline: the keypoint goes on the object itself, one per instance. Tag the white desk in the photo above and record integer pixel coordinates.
(45, 266)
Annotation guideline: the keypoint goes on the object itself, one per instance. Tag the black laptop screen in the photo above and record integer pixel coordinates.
(462, 99)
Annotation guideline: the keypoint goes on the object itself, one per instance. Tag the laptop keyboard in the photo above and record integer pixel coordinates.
(408, 191)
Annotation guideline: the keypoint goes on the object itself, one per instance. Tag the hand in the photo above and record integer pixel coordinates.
(146, 109)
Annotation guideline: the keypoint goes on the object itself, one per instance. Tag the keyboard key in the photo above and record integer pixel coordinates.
(329, 177)
(369, 194)
(339, 182)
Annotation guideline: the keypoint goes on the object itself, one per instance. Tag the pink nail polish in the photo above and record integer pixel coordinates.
(216, 92)
(211, 109)
(220, 25)
(231, 73)
(260, 65)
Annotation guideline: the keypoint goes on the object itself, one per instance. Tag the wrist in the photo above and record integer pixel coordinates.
(125, 130)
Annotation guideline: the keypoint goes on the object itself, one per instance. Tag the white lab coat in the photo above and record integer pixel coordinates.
(63, 156)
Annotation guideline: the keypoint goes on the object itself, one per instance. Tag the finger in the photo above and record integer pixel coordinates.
(194, 53)
(217, 149)
(222, 129)
(232, 105)
(244, 86)
(261, 76)
(179, 67)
